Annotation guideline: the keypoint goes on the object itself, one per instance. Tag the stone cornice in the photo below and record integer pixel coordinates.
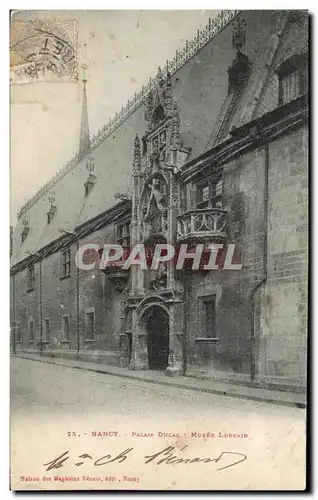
(98, 222)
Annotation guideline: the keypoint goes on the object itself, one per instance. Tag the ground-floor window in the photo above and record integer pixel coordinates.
(46, 329)
(66, 327)
(207, 312)
(90, 325)
(31, 330)
(18, 332)
(16, 329)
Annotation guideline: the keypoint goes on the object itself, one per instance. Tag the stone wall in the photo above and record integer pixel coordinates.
(59, 297)
(243, 180)
(283, 321)
(276, 354)
(279, 318)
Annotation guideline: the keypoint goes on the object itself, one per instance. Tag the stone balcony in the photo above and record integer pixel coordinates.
(115, 272)
(202, 224)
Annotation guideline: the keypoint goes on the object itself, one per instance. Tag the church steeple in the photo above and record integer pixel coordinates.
(84, 143)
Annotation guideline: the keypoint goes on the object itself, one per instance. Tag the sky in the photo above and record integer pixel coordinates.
(122, 50)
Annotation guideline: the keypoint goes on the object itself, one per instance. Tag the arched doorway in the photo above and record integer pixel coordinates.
(157, 327)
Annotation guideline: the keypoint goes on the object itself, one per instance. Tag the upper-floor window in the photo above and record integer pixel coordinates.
(66, 263)
(293, 78)
(30, 278)
(210, 193)
(123, 234)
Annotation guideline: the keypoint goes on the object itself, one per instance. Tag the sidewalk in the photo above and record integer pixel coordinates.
(190, 383)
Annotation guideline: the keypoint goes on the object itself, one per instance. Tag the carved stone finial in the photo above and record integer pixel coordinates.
(149, 107)
(52, 208)
(26, 228)
(175, 126)
(175, 110)
(25, 222)
(159, 75)
(137, 155)
(51, 199)
(90, 165)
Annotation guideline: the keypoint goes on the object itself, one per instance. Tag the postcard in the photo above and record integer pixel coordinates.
(159, 250)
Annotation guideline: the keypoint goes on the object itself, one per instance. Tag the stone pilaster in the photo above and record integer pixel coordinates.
(175, 360)
(136, 272)
(139, 351)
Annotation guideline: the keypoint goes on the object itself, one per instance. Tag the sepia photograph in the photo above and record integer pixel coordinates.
(158, 250)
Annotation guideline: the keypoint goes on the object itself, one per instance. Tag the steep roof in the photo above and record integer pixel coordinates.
(200, 86)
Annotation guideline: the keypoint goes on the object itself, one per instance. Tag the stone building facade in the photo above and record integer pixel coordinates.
(214, 150)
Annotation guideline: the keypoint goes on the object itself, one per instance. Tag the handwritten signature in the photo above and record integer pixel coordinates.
(165, 456)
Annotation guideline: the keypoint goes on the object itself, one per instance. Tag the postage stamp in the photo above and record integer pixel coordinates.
(43, 50)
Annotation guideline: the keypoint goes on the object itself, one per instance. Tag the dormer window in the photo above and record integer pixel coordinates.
(89, 184)
(25, 230)
(293, 78)
(52, 209)
(66, 263)
(240, 69)
(91, 180)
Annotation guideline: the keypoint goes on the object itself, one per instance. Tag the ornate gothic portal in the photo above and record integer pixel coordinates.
(158, 198)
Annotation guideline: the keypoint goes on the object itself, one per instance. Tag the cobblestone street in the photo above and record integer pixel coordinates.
(58, 409)
(47, 388)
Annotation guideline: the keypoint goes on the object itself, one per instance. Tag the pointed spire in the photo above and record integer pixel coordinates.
(175, 139)
(159, 76)
(149, 108)
(84, 143)
(168, 97)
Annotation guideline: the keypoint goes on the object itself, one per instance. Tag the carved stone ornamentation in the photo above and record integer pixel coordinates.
(157, 196)
(160, 281)
(160, 101)
(176, 142)
(137, 156)
(240, 69)
(156, 184)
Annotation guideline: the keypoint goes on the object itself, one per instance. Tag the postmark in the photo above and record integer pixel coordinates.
(43, 50)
